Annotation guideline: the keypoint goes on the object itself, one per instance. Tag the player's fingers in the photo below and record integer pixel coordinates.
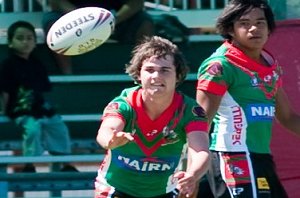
(128, 136)
(179, 175)
(186, 183)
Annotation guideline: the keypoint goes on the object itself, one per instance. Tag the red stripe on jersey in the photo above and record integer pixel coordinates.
(148, 151)
(152, 129)
(117, 115)
(146, 124)
(212, 87)
(196, 126)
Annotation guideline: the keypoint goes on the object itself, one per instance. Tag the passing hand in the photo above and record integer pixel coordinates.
(119, 139)
(186, 185)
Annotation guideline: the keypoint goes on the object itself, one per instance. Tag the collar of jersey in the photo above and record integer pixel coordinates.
(240, 59)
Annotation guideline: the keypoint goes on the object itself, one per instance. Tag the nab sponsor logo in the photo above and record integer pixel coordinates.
(145, 164)
(260, 112)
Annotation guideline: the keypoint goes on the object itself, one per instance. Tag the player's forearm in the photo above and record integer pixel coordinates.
(198, 164)
(104, 136)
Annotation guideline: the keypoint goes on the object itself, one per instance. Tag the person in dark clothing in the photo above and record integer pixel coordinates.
(23, 82)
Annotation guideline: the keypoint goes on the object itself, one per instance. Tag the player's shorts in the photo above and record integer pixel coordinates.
(119, 194)
(244, 175)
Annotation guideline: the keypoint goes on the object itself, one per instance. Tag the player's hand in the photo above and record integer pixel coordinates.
(186, 184)
(119, 139)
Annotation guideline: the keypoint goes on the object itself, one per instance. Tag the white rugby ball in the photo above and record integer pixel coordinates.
(80, 31)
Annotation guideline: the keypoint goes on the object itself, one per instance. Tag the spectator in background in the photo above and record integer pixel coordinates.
(132, 22)
(23, 81)
(149, 128)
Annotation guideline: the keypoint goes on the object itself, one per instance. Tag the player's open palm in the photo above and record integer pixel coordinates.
(119, 139)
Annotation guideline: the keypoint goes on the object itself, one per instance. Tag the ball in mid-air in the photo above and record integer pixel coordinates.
(80, 31)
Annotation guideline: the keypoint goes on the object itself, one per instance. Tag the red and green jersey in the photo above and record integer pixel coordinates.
(144, 167)
(243, 121)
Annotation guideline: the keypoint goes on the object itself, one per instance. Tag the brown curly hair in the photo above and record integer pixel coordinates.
(159, 47)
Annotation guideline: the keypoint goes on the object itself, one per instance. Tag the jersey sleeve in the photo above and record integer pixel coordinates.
(213, 77)
(118, 107)
(194, 116)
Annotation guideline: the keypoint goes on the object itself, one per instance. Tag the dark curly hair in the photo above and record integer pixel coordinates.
(159, 47)
(235, 9)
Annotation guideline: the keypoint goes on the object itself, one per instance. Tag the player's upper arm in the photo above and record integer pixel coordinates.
(209, 102)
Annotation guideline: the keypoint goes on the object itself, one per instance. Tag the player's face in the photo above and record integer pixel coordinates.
(251, 31)
(158, 76)
(23, 42)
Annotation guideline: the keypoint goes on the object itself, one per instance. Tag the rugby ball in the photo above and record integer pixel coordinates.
(80, 31)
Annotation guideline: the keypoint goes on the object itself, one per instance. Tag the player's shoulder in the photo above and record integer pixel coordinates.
(192, 110)
(187, 99)
(127, 91)
(125, 96)
(219, 56)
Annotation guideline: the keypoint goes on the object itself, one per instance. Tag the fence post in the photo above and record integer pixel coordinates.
(18, 5)
(3, 189)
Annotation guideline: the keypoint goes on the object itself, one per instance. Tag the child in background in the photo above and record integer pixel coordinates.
(23, 81)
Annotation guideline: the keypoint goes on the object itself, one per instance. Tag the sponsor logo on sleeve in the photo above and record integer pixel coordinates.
(111, 109)
(215, 69)
(198, 112)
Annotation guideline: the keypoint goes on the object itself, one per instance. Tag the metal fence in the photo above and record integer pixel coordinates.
(187, 4)
(23, 5)
(283, 9)
(41, 5)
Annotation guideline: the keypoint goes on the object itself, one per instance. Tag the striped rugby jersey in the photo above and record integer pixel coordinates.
(243, 121)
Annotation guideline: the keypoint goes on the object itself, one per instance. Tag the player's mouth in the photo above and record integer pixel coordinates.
(255, 37)
(157, 85)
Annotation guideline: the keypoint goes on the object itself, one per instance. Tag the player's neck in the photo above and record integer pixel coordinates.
(154, 107)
